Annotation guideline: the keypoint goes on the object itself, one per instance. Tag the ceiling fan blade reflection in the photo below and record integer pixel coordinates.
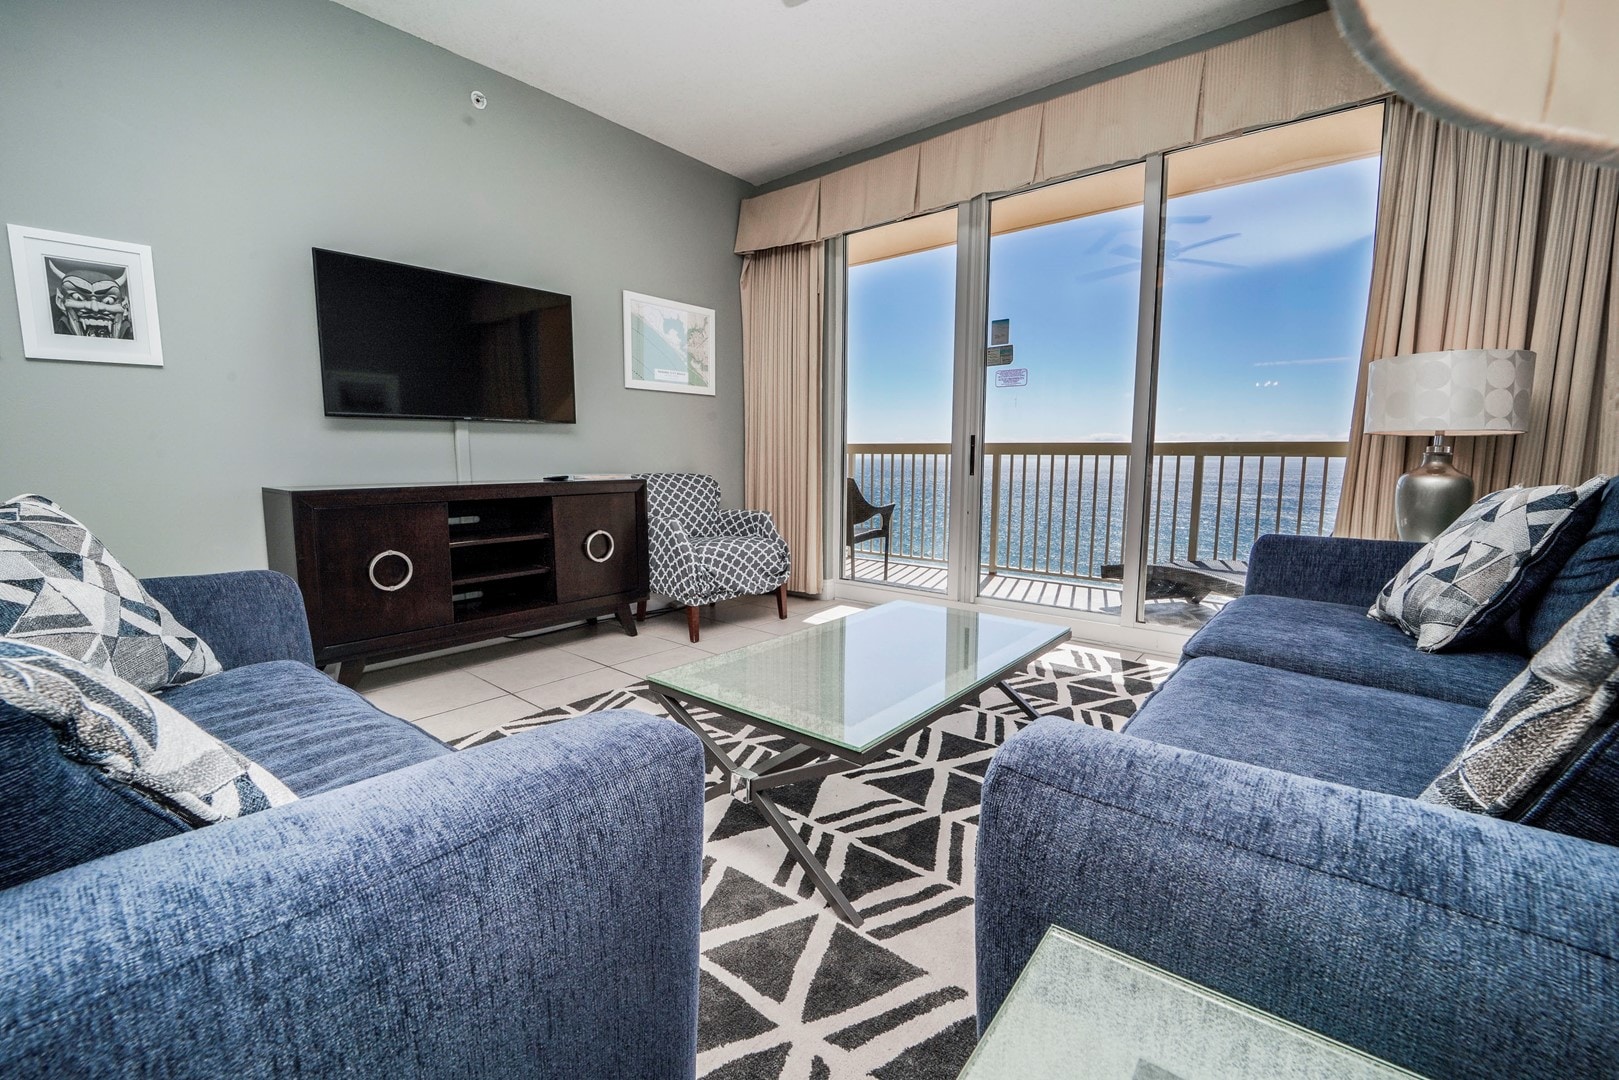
(1210, 240)
(1126, 251)
(1112, 271)
(1187, 219)
(1209, 262)
(1101, 241)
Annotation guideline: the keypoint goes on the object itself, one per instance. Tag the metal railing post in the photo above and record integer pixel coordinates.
(994, 560)
(1194, 526)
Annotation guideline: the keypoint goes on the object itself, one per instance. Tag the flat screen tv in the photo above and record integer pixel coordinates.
(402, 341)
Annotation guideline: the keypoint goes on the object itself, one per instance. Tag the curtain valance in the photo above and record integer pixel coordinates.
(1122, 119)
(882, 189)
(780, 218)
(998, 154)
(1279, 74)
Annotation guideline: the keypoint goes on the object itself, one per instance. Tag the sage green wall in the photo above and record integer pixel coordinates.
(234, 136)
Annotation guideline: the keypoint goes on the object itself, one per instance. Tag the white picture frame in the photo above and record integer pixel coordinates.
(85, 299)
(668, 345)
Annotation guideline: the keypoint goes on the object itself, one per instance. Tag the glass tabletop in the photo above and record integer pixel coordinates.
(1077, 1001)
(855, 681)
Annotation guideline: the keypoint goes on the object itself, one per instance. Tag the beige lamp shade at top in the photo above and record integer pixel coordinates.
(1458, 391)
(1539, 72)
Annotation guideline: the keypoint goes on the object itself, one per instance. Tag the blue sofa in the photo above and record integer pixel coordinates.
(525, 908)
(1255, 830)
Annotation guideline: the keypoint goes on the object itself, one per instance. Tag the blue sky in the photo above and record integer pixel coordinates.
(1263, 348)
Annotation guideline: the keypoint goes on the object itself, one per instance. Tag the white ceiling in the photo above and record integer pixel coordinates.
(760, 89)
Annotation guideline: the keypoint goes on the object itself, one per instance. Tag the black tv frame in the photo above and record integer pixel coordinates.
(316, 252)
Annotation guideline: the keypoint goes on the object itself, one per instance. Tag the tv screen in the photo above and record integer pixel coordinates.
(399, 340)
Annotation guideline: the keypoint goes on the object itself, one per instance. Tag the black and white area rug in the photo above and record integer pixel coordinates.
(791, 991)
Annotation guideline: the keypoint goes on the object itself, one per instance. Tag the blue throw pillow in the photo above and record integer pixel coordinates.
(1543, 722)
(1592, 567)
(133, 739)
(56, 813)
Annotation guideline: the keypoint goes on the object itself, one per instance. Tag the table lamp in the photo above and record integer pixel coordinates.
(1455, 392)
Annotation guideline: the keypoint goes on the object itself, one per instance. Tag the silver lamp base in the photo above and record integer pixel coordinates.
(1431, 496)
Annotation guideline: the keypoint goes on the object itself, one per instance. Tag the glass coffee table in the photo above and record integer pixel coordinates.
(845, 693)
(1079, 1002)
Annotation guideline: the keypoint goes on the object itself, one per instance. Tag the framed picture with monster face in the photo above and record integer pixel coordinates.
(81, 298)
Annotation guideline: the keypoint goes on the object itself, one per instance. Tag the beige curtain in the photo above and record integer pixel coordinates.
(781, 377)
(1485, 244)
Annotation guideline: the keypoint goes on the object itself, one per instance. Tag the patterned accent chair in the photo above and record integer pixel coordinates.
(701, 554)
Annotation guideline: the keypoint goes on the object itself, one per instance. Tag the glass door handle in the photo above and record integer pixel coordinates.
(972, 452)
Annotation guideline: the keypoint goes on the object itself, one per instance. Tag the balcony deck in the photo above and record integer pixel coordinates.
(1098, 597)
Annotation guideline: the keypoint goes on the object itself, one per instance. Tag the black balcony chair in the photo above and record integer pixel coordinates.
(860, 511)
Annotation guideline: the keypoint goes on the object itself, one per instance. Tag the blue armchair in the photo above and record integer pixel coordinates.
(525, 908)
(1255, 830)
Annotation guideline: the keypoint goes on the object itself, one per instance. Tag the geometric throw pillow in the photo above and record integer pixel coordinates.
(134, 739)
(61, 588)
(1591, 567)
(1469, 579)
(1542, 719)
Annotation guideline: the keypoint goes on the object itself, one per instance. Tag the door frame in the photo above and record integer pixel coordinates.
(1138, 474)
(967, 401)
(1126, 630)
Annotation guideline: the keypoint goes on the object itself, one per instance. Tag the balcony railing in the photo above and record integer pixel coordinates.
(1057, 509)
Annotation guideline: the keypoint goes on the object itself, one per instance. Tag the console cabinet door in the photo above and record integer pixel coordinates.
(382, 570)
(597, 547)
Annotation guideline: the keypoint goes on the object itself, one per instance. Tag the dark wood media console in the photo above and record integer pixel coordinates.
(391, 571)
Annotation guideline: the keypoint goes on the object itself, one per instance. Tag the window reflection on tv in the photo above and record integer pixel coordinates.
(402, 341)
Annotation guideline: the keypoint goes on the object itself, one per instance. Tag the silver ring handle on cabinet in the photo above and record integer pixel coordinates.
(410, 570)
(591, 555)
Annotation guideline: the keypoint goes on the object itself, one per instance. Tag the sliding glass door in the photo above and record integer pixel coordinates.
(1059, 372)
(1267, 264)
(1166, 371)
(899, 406)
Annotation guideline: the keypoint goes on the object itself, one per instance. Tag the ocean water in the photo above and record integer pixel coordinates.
(1064, 514)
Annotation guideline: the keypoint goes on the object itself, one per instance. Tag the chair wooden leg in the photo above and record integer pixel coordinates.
(640, 611)
(781, 600)
(692, 612)
(885, 557)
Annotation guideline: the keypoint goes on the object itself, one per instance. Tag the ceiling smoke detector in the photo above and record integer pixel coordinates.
(479, 101)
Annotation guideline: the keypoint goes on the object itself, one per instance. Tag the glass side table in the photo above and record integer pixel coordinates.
(1080, 1009)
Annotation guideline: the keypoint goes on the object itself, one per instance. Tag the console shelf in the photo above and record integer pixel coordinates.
(388, 572)
(466, 540)
(499, 575)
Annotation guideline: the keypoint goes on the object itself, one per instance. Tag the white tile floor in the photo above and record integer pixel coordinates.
(457, 695)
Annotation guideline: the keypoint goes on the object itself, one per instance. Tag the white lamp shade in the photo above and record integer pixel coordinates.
(1459, 392)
